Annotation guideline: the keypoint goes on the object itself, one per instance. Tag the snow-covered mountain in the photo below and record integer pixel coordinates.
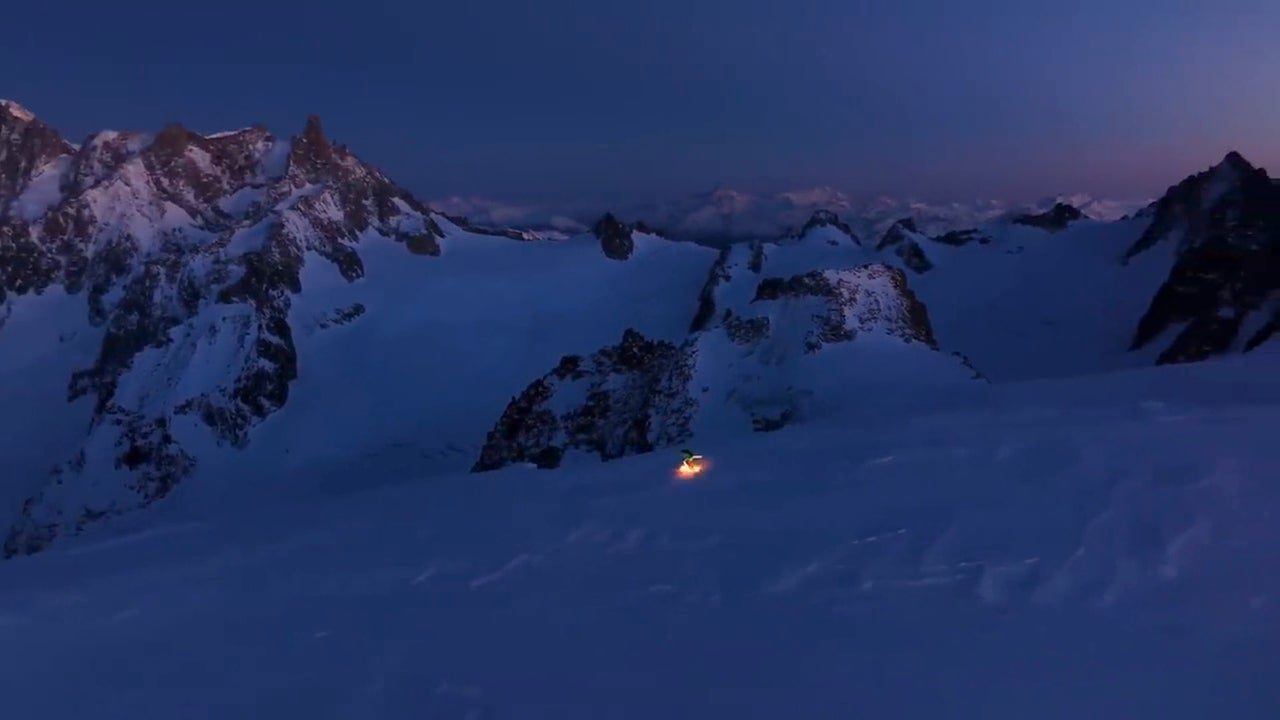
(1224, 290)
(765, 350)
(947, 477)
(209, 314)
(187, 256)
(186, 250)
(728, 215)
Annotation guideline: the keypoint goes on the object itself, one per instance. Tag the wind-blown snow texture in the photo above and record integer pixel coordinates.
(947, 477)
(1103, 548)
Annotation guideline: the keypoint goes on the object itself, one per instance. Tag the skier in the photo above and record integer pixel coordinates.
(690, 460)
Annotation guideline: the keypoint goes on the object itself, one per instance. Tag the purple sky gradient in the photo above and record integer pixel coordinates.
(611, 101)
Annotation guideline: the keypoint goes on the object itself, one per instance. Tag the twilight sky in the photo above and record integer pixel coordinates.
(601, 100)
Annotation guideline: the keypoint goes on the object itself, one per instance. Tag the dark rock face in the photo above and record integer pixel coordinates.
(826, 218)
(465, 223)
(903, 237)
(1206, 205)
(639, 395)
(770, 423)
(829, 327)
(898, 232)
(1056, 218)
(757, 257)
(960, 238)
(789, 318)
(1264, 333)
(622, 400)
(707, 296)
(861, 299)
(615, 237)
(342, 316)
(914, 258)
(166, 286)
(734, 264)
(812, 284)
(1226, 223)
(26, 146)
(745, 330)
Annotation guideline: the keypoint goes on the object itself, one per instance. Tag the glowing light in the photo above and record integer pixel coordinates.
(691, 469)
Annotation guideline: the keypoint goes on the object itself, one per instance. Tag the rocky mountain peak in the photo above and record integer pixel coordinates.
(101, 155)
(312, 156)
(906, 242)
(621, 400)
(960, 238)
(11, 111)
(1225, 222)
(313, 131)
(827, 218)
(608, 224)
(164, 232)
(615, 237)
(873, 297)
(172, 139)
(908, 224)
(194, 171)
(1235, 160)
(26, 146)
(1229, 196)
(1056, 218)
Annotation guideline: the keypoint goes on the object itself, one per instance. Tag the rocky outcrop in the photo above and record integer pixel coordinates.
(179, 242)
(615, 237)
(960, 238)
(789, 321)
(747, 355)
(27, 147)
(826, 218)
(1225, 224)
(735, 272)
(870, 298)
(718, 275)
(623, 399)
(1056, 218)
(1205, 205)
(341, 316)
(906, 240)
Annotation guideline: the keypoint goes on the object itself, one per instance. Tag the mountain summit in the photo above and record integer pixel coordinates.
(1223, 225)
(182, 245)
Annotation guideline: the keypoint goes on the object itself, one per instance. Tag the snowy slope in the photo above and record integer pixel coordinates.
(785, 332)
(810, 326)
(1032, 303)
(46, 338)
(1103, 547)
(267, 317)
(442, 346)
(1194, 275)
(305, 362)
(224, 276)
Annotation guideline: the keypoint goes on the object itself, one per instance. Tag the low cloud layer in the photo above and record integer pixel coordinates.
(726, 214)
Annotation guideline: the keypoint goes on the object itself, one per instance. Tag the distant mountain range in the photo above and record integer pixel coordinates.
(233, 314)
(726, 215)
